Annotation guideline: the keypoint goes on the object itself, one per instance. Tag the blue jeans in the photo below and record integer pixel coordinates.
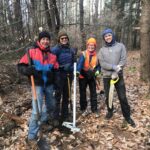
(46, 106)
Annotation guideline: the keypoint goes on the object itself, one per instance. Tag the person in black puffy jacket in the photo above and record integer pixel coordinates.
(65, 55)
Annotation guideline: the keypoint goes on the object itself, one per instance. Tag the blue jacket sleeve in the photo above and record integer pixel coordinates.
(55, 50)
(80, 63)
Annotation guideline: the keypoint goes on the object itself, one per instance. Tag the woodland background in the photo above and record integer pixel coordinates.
(20, 23)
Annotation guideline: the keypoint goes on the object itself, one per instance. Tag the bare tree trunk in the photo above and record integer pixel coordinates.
(18, 19)
(57, 17)
(95, 18)
(136, 33)
(82, 25)
(54, 15)
(27, 20)
(48, 16)
(33, 16)
(10, 17)
(145, 41)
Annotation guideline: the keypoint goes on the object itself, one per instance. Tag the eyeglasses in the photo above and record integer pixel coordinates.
(64, 38)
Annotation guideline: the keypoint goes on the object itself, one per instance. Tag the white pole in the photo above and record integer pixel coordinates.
(72, 125)
(74, 96)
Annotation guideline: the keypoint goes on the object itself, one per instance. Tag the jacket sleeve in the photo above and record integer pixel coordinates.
(103, 63)
(80, 63)
(22, 68)
(23, 65)
(56, 65)
(55, 50)
(123, 57)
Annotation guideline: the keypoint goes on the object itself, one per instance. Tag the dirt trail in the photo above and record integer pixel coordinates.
(96, 133)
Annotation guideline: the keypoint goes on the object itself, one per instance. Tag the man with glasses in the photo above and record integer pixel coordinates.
(65, 55)
(112, 59)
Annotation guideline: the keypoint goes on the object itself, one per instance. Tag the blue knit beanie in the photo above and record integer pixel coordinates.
(106, 31)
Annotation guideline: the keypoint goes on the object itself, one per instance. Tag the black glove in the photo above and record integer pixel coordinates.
(77, 74)
(30, 70)
(88, 74)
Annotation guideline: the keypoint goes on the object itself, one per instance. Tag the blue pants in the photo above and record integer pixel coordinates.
(46, 106)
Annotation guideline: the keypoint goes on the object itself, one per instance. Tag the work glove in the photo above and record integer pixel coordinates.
(117, 68)
(114, 76)
(30, 70)
(77, 73)
(97, 73)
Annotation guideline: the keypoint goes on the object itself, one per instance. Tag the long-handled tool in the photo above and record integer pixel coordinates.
(72, 125)
(35, 96)
(69, 92)
(111, 91)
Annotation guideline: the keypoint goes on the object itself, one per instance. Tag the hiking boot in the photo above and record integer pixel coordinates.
(85, 113)
(109, 115)
(32, 143)
(131, 122)
(56, 123)
(96, 114)
(46, 127)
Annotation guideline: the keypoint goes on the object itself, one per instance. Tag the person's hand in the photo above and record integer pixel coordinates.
(114, 76)
(97, 73)
(117, 68)
(77, 73)
(30, 70)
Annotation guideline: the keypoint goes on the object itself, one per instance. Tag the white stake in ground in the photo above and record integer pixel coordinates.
(72, 125)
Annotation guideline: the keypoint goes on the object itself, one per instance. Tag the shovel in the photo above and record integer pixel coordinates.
(35, 96)
(111, 91)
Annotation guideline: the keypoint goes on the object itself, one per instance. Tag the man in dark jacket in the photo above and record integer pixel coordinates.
(65, 55)
(42, 67)
(112, 59)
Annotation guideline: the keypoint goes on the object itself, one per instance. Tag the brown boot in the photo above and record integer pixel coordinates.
(32, 144)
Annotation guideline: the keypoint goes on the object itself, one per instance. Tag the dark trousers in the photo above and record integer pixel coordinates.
(121, 91)
(83, 83)
(62, 92)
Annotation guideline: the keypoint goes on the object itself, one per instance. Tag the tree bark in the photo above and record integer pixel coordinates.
(82, 24)
(48, 16)
(18, 21)
(145, 41)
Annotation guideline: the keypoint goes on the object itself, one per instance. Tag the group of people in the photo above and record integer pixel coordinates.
(52, 70)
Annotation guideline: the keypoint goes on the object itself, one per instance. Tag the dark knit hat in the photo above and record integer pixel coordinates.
(62, 33)
(106, 31)
(44, 34)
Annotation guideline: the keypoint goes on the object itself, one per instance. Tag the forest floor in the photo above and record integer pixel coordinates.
(95, 133)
